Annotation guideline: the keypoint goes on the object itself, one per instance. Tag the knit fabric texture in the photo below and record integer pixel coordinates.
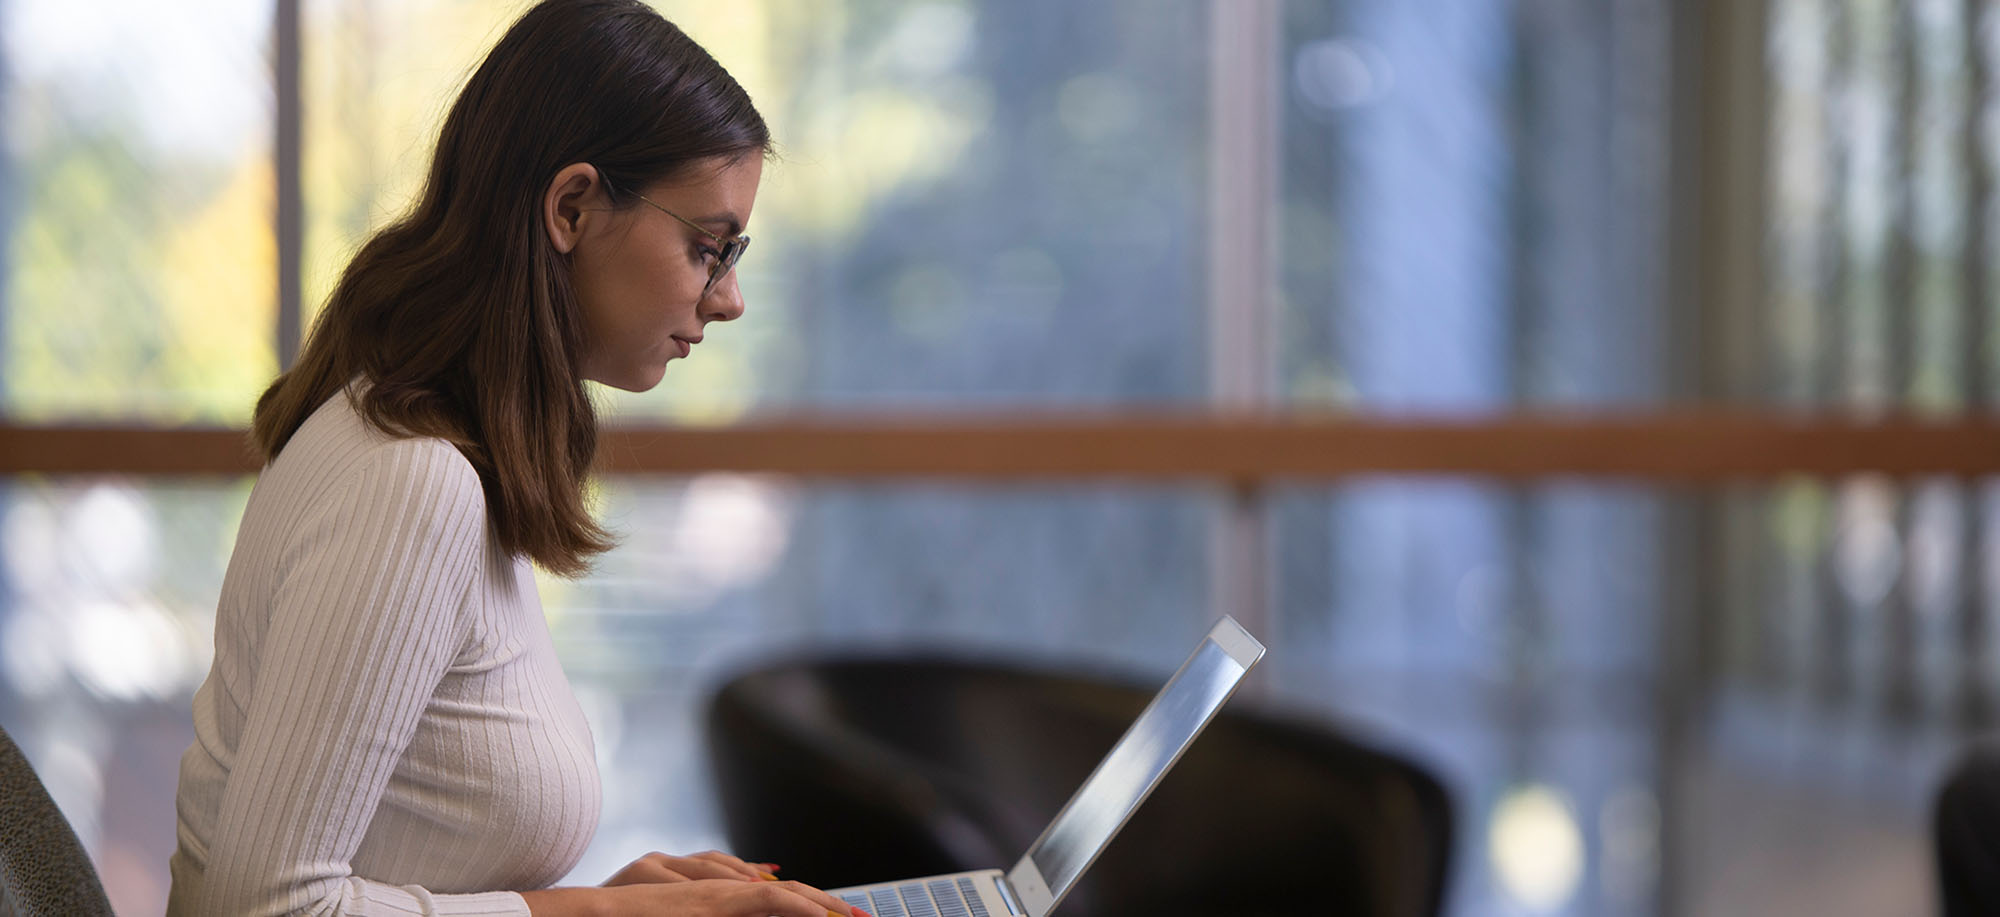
(385, 728)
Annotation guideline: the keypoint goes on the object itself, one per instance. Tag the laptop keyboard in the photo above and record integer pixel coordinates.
(936, 898)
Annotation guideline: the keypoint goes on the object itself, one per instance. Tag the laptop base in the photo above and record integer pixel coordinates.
(983, 893)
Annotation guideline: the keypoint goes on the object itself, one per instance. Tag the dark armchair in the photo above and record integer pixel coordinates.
(849, 771)
(43, 869)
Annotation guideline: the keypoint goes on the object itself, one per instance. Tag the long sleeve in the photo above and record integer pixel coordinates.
(366, 617)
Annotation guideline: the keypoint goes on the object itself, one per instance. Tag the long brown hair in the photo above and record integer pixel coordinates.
(461, 316)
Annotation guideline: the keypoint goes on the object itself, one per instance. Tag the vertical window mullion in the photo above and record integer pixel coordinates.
(1974, 699)
(1242, 193)
(290, 216)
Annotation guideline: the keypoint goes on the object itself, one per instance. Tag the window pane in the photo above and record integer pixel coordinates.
(107, 622)
(1556, 654)
(1853, 651)
(1881, 157)
(140, 265)
(1510, 640)
(1473, 205)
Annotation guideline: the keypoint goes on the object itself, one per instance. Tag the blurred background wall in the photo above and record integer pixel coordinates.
(1648, 697)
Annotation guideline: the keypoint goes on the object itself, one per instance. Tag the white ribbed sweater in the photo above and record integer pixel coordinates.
(385, 729)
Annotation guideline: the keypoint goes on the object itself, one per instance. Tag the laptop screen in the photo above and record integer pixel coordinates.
(1101, 806)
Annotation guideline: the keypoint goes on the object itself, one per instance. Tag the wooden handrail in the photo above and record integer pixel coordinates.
(1677, 447)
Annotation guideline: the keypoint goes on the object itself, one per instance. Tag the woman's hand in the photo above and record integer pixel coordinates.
(693, 898)
(712, 864)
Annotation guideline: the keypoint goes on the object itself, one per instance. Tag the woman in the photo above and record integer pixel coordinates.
(386, 729)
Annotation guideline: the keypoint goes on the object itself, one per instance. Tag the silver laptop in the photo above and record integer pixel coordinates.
(1100, 807)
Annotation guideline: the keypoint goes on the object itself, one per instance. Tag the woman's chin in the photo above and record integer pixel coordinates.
(639, 379)
(648, 378)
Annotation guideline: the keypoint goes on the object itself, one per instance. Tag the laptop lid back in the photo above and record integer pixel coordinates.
(1135, 765)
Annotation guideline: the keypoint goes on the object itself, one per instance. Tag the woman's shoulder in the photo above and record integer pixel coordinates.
(338, 453)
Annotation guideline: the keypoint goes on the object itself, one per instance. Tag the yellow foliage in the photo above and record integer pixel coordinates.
(218, 292)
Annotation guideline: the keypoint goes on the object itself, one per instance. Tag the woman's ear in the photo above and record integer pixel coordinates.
(575, 192)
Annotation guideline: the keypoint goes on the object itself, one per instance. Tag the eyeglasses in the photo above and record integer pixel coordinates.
(729, 250)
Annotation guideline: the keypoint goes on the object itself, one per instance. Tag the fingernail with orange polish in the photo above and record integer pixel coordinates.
(768, 877)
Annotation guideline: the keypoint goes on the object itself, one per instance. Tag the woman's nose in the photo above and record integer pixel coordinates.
(724, 303)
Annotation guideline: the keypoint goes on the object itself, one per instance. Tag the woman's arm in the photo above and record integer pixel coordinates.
(699, 898)
(363, 624)
(710, 884)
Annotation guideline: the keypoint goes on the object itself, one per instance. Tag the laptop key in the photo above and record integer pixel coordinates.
(856, 899)
(885, 903)
(917, 901)
(972, 899)
(949, 902)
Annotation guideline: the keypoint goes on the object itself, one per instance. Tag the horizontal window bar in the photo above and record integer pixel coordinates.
(1692, 447)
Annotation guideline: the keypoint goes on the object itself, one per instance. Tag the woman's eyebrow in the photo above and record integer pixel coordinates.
(731, 225)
